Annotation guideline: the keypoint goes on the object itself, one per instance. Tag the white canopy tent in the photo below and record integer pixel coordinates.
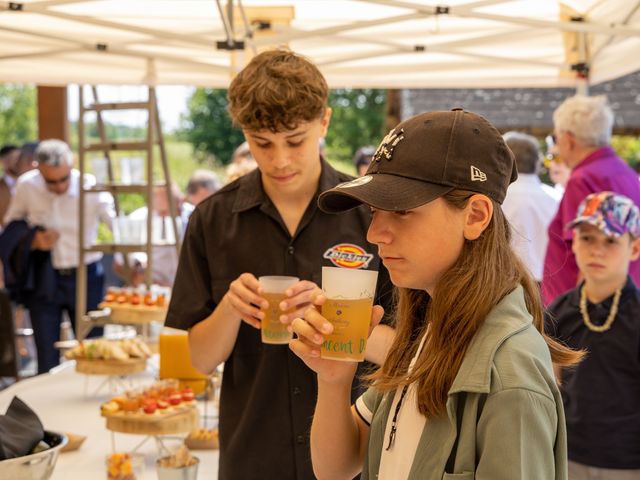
(356, 43)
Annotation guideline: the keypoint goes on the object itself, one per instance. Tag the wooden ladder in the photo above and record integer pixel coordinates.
(154, 136)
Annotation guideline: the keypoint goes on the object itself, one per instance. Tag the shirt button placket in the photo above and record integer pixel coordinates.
(290, 260)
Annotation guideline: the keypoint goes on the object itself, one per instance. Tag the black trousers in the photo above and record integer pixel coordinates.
(46, 316)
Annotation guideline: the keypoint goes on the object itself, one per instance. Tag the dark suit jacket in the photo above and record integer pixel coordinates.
(29, 274)
(5, 199)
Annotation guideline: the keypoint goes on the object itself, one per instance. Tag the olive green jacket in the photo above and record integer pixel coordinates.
(504, 410)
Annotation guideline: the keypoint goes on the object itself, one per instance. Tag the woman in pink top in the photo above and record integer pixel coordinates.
(582, 130)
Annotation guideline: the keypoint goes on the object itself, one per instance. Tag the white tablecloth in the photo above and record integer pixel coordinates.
(59, 400)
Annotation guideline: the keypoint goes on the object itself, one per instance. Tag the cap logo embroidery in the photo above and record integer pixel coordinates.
(477, 175)
(347, 255)
(355, 183)
(385, 149)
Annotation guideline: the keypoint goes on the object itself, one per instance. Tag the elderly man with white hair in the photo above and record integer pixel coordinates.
(582, 131)
(47, 200)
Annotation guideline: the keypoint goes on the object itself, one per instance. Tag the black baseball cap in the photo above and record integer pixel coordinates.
(425, 157)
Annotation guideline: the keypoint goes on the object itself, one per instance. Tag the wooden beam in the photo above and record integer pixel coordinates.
(53, 121)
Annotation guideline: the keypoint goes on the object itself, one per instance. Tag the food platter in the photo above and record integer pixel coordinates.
(179, 419)
(111, 367)
(202, 439)
(160, 409)
(134, 314)
(103, 356)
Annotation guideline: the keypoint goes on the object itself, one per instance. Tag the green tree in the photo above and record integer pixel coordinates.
(357, 120)
(18, 117)
(628, 147)
(207, 125)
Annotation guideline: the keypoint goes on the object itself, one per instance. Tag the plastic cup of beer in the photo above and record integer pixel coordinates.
(349, 294)
(273, 330)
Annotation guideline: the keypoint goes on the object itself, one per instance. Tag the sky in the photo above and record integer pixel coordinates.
(172, 102)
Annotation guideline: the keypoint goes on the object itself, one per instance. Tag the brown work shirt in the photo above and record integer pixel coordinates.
(268, 394)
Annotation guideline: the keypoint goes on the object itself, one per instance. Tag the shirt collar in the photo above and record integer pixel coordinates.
(9, 180)
(508, 317)
(574, 295)
(251, 192)
(600, 153)
(74, 185)
(529, 178)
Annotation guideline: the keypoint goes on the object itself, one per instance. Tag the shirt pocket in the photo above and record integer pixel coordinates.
(459, 476)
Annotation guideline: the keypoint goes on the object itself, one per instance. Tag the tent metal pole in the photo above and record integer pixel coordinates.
(86, 19)
(302, 34)
(464, 12)
(628, 17)
(113, 49)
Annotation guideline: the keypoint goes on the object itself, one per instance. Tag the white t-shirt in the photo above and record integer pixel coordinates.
(529, 209)
(396, 461)
(165, 257)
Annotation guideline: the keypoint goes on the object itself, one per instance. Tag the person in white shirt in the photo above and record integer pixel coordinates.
(165, 256)
(47, 198)
(202, 184)
(528, 206)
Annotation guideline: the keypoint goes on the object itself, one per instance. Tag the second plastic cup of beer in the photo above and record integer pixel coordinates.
(273, 330)
(348, 307)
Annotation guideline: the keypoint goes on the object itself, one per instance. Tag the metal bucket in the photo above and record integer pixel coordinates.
(182, 473)
(37, 466)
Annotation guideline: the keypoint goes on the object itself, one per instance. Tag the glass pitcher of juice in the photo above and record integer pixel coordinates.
(175, 360)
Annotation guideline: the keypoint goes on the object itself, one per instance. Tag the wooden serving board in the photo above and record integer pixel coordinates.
(135, 314)
(181, 420)
(111, 367)
(74, 443)
(201, 444)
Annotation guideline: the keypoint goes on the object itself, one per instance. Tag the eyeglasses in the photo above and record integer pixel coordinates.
(57, 181)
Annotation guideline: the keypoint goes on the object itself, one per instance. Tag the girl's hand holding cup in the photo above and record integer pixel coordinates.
(310, 333)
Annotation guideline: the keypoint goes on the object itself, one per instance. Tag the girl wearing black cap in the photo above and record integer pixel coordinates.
(468, 389)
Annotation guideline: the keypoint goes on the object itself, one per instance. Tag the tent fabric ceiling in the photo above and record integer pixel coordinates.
(356, 43)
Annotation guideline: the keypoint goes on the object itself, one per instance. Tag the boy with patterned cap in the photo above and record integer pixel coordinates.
(601, 396)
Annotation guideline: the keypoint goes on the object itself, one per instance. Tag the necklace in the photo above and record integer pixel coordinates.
(613, 311)
(394, 421)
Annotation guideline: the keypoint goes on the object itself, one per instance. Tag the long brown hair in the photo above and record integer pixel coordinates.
(485, 272)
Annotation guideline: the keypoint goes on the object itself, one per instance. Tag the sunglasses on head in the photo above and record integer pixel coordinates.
(57, 181)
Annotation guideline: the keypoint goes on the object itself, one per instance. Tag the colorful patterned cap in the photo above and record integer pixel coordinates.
(613, 214)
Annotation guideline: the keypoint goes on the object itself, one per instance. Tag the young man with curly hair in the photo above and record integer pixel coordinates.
(267, 223)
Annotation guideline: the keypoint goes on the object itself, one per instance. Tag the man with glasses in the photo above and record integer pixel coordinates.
(47, 199)
(582, 136)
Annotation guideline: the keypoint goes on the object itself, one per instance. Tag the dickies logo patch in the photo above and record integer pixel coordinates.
(347, 255)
